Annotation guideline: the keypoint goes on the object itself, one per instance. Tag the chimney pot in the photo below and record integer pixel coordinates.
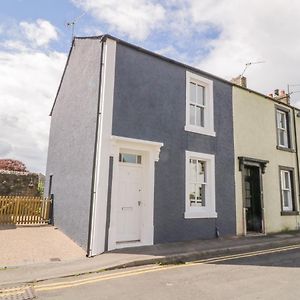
(282, 93)
(240, 80)
(282, 96)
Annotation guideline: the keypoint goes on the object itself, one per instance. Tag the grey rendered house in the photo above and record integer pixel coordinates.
(141, 149)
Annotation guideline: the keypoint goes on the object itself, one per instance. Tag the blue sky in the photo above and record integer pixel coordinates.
(59, 12)
(219, 37)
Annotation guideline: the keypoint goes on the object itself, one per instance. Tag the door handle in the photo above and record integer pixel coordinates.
(139, 203)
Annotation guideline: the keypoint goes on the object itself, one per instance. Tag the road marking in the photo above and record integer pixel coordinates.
(161, 268)
(25, 292)
(98, 278)
(244, 255)
(6, 290)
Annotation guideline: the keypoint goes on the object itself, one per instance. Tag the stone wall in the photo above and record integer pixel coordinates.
(18, 183)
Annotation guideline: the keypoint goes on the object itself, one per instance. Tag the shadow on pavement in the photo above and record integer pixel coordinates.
(6, 227)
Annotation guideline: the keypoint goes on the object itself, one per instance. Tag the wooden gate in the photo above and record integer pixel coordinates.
(24, 210)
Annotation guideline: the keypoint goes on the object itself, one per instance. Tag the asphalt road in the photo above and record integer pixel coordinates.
(273, 274)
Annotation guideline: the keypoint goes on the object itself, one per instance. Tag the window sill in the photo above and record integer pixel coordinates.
(289, 213)
(285, 149)
(200, 215)
(199, 130)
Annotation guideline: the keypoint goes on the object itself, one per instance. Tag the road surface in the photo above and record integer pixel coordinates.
(269, 274)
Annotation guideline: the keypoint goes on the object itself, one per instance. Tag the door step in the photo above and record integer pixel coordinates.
(132, 241)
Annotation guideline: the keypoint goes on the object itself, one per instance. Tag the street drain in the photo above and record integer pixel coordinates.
(55, 259)
(17, 293)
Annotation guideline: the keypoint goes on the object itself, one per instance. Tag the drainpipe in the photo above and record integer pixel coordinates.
(102, 40)
(297, 162)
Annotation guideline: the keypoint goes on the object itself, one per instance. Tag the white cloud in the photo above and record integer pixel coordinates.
(5, 148)
(92, 31)
(28, 82)
(14, 45)
(135, 18)
(265, 30)
(40, 32)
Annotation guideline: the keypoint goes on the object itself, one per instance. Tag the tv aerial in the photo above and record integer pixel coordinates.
(73, 23)
(247, 65)
(289, 86)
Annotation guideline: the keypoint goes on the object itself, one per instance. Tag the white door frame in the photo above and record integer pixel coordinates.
(150, 154)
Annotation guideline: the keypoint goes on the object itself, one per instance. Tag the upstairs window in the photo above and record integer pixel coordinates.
(282, 128)
(199, 104)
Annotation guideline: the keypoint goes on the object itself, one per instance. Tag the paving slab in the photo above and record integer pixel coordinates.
(23, 245)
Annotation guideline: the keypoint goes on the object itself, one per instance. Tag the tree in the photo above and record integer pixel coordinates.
(12, 165)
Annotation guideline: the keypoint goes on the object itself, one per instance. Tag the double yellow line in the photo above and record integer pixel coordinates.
(149, 269)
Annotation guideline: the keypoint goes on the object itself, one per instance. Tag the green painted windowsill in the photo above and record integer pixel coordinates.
(290, 213)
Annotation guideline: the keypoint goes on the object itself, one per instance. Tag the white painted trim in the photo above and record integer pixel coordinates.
(209, 211)
(138, 144)
(136, 141)
(98, 227)
(150, 153)
(208, 128)
(200, 215)
(200, 130)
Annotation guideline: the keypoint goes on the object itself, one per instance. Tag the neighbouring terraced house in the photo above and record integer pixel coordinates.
(145, 150)
(266, 139)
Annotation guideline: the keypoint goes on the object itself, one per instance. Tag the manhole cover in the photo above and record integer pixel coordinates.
(17, 293)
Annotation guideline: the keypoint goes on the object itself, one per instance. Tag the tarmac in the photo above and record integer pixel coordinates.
(169, 253)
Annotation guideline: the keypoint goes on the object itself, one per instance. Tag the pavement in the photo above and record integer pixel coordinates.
(23, 245)
(129, 257)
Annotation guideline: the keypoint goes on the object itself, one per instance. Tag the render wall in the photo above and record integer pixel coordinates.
(72, 139)
(150, 104)
(255, 137)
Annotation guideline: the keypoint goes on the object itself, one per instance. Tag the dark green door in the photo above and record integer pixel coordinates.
(253, 199)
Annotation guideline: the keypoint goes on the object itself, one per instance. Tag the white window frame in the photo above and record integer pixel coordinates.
(208, 128)
(284, 129)
(289, 190)
(209, 210)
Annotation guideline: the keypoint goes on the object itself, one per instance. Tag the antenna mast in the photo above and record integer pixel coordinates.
(73, 23)
(292, 92)
(250, 64)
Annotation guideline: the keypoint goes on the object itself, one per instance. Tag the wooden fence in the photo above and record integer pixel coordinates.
(24, 210)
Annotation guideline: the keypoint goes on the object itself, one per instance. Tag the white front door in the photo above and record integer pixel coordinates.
(129, 202)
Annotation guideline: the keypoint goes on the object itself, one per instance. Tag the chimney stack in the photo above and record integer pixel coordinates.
(281, 96)
(240, 80)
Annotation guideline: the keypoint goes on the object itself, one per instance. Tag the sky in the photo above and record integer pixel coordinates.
(217, 36)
